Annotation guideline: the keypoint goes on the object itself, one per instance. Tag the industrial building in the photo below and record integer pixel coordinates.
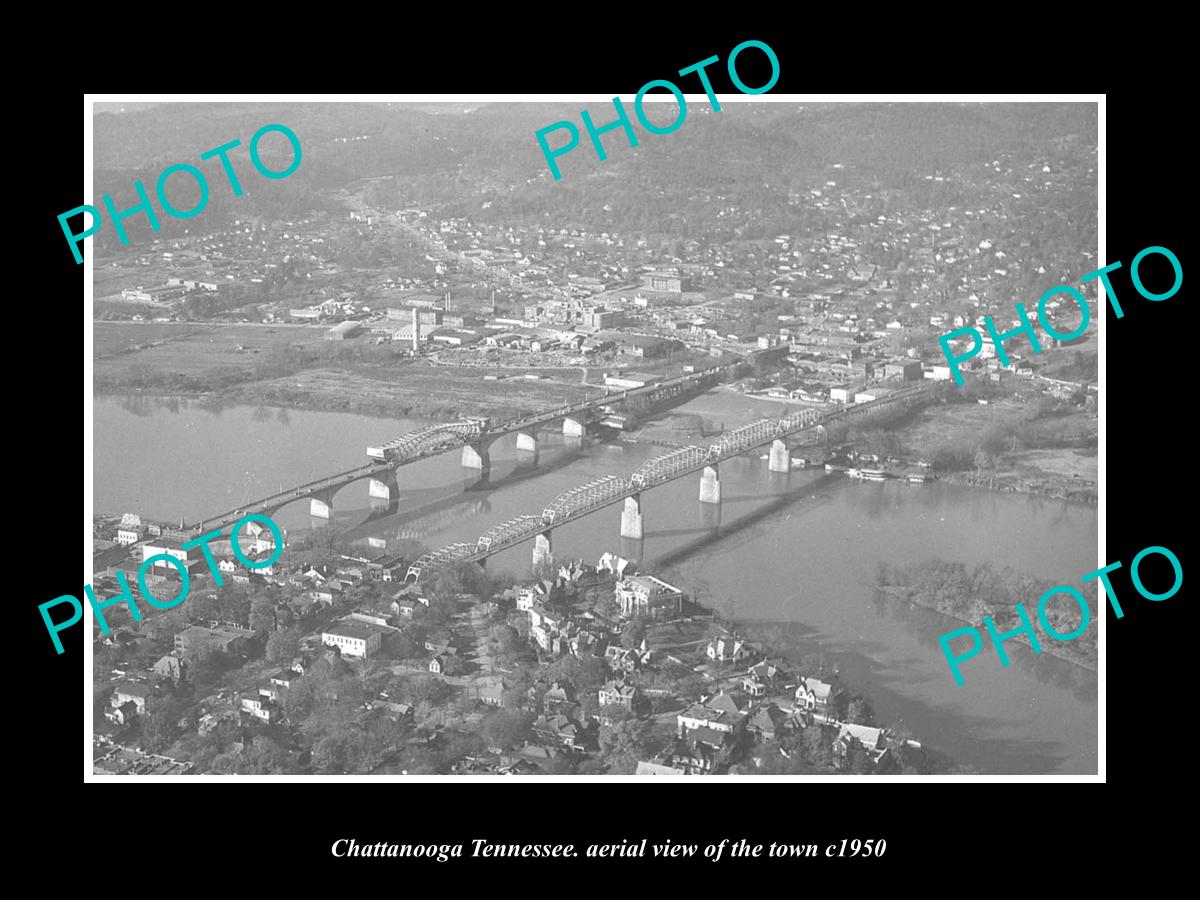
(343, 330)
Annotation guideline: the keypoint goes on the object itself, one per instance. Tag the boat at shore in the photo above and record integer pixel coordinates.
(837, 464)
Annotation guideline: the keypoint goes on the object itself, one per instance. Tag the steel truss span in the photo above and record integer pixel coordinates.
(609, 489)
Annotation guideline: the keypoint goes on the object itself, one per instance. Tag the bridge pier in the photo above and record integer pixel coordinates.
(385, 488)
(631, 518)
(574, 427)
(632, 549)
(781, 460)
(710, 485)
(477, 456)
(542, 553)
(320, 506)
(527, 440)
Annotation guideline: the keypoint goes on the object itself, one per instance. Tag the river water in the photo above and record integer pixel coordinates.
(798, 549)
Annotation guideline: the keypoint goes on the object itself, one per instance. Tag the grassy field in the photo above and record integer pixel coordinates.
(412, 390)
(191, 349)
(125, 351)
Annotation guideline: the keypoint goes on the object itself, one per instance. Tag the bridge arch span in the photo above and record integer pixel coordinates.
(326, 493)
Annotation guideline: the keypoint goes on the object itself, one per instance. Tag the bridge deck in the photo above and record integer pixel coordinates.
(266, 504)
(608, 491)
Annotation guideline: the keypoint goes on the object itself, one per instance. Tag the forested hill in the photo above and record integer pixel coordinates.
(749, 155)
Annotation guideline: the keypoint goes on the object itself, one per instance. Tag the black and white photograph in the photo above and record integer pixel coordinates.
(674, 437)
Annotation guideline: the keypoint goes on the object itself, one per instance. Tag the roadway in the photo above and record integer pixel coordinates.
(604, 492)
(445, 443)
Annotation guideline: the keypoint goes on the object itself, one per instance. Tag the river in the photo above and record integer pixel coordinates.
(798, 549)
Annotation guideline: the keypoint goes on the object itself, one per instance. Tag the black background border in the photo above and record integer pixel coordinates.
(293, 829)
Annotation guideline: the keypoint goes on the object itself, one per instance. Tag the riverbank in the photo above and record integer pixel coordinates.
(968, 595)
(1049, 488)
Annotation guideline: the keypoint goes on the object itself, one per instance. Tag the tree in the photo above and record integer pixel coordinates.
(634, 632)
(262, 614)
(560, 765)
(332, 754)
(298, 702)
(431, 690)
(506, 728)
(160, 728)
(207, 664)
(817, 746)
(283, 646)
(860, 762)
(858, 711)
(624, 742)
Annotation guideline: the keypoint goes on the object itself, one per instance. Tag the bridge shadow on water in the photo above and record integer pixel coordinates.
(817, 490)
(469, 497)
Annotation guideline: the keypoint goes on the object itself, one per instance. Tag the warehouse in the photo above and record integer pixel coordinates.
(342, 330)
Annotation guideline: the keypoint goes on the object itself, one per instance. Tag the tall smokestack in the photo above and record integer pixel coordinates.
(416, 333)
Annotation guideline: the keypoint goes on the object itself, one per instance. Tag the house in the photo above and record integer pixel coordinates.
(769, 671)
(656, 768)
(394, 710)
(626, 659)
(271, 691)
(709, 739)
(123, 714)
(526, 598)
(258, 705)
(618, 693)
(284, 678)
(226, 638)
(138, 694)
(561, 730)
(763, 677)
(860, 737)
(682, 759)
(169, 667)
(171, 547)
(353, 638)
(767, 722)
(560, 694)
(719, 713)
(754, 687)
(492, 693)
(728, 649)
(318, 574)
(127, 535)
(814, 695)
(647, 595)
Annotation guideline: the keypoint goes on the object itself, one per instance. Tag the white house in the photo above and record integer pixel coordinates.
(352, 638)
